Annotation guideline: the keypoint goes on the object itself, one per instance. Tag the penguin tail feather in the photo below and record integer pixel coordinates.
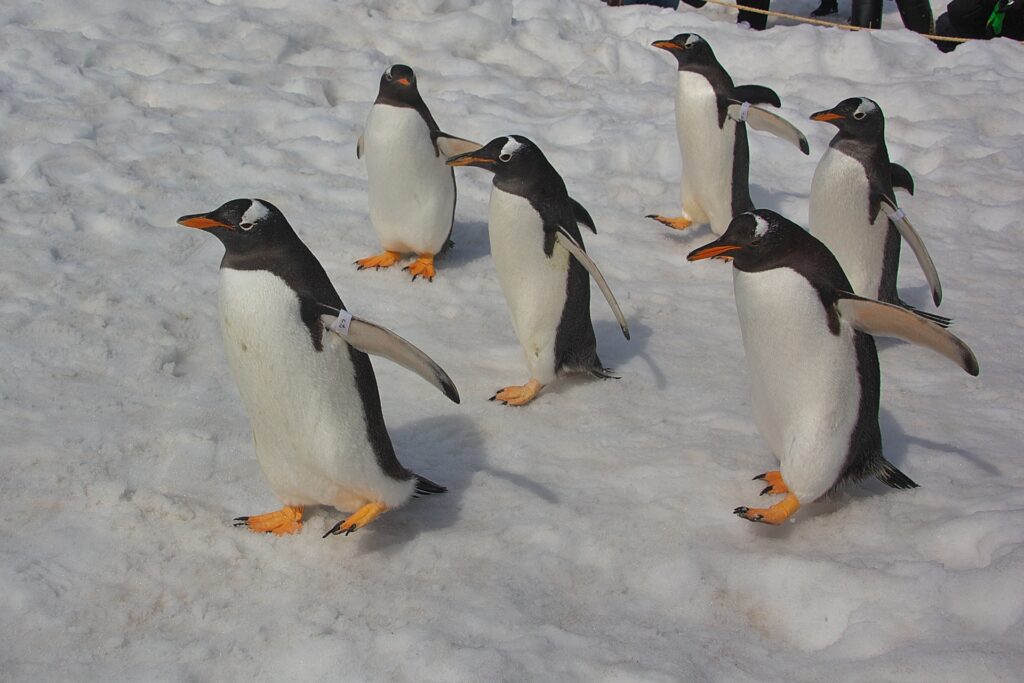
(603, 373)
(890, 476)
(939, 320)
(425, 487)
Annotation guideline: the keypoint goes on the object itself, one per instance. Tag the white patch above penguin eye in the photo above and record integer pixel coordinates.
(511, 147)
(865, 108)
(387, 74)
(256, 212)
(760, 226)
(692, 40)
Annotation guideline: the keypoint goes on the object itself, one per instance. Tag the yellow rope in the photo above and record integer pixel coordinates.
(820, 22)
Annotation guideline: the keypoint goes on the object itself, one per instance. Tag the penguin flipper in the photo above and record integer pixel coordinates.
(359, 148)
(379, 341)
(450, 145)
(877, 318)
(569, 243)
(756, 94)
(910, 236)
(901, 178)
(764, 120)
(582, 215)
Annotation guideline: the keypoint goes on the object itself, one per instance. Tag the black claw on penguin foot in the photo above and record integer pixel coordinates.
(766, 490)
(742, 512)
(761, 477)
(337, 529)
(241, 521)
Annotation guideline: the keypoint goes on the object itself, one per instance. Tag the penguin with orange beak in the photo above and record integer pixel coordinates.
(811, 360)
(300, 362)
(542, 264)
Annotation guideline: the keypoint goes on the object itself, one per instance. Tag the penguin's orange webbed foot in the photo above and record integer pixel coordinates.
(287, 520)
(422, 267)
(518, 395)
(358, 519)
(774, 481)
(677, 223)
(385, 259)
(776, 514)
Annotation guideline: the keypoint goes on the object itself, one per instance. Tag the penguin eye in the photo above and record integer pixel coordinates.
(388, 76)
(505, 157)
(754, 243)
(246, 226)
(859, 115)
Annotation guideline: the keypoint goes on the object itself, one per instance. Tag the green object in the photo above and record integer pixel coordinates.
(995, 20)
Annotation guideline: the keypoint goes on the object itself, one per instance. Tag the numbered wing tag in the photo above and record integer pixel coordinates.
(764, 120)
(909, 234)
(379, 341)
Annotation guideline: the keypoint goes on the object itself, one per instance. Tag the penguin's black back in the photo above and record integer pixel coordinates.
(541, 185)
(292, 261)
(809, 257)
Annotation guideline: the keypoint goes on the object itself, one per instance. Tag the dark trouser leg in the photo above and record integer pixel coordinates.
(756, 21)
(916, 15)
(867, 13)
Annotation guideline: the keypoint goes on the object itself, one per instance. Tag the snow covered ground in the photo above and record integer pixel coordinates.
(588, 536)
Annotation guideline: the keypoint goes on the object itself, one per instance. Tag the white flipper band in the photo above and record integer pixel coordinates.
(341, 323)
(877, 318)
(764, 120)
(909, 234)
(379, 341)
(567, 242)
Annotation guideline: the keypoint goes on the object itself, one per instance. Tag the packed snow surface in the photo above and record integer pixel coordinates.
(588, 536)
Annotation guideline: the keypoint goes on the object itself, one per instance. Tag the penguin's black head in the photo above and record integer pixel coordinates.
(854, 116)
(398, 83)
(751, 239)
(241, 224)
(688, 48)
(510, 156)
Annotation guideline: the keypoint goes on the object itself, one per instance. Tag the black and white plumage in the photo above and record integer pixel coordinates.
(306, 382)
(412, 192)
(542, 263)
(853, 207)
(711, 122)
(811, 359)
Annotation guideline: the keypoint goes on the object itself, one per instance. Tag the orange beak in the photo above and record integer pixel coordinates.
(468, 160)
(202, 222)
(826, 116)
(402, 81)
(665, 45)
(713, 251)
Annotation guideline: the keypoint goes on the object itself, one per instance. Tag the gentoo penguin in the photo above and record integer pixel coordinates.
(412, 192)
(711, 114)
(853, 206)
(299, 360)
(542, 264)
(812, 361)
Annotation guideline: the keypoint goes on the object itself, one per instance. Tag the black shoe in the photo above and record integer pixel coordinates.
(826, 8)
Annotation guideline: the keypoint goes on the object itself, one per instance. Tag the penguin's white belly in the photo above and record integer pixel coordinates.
(534, 285)
(307, 416)
(412, 195)
(707, 153)
(839, 207)
(805, 391)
